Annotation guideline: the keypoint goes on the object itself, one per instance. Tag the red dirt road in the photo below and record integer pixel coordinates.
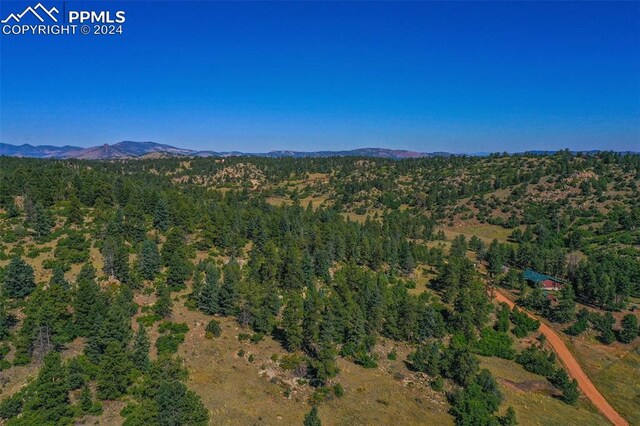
(574, 369)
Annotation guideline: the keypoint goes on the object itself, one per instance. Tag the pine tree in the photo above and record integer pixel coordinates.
(47, 324)
(629, 330)
(312, 319)
(323, 364)
(292, 323)
(88, 305)
(141, 344)
(50, 393)
(178, 271)
(502, 321)
(607, 336)
(174, 242)
(565, 311)
(12, 210)
(312, 418)
(570, 393)
(149, 260)
(6, 321)
(75, 374)
(178, 405)
(406, 262)
(228, 298)
(43, 222)
(121, 263)
(86, 399)
(109, 256)
(292, 276)
(163, 304)
(509, 418)
(161, 216)
(74, 212)
(58, 278)
(19, 280)
(113, 376)
(209, 294)
(115, 326)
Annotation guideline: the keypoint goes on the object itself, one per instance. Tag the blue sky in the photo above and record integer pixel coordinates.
(459, 77)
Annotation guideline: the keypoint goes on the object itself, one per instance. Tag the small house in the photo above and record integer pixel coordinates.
(545, 282)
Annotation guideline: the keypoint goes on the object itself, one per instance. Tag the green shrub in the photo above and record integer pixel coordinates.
(213, 329)
(537, 361)
(494, 343)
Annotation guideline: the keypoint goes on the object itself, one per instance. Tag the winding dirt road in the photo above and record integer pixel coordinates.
(574, 369)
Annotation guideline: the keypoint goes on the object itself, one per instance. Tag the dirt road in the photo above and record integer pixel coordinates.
(574, 369)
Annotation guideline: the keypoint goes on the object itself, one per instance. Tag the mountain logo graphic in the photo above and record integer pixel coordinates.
(34, 11)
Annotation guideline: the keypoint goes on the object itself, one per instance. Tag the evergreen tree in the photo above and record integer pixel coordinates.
(149, 260)
(164, 304)
(49, 398)
(74, 212)
(228, 296)
(208, 299)
(86, 400)
(405, 260)
(115, 326)
(161, 216)
(174, 243)
(12, 210)
(75, 374)
(141, 344)
(113, 376)
(6, 321)
(292, 275)
(178, 405)
(629, 330)
(502, 321)
(565, 310)
(178, 271)
(312, 418)
(109, 256)
(88, 305)
(47, 324)
(607, 336)
(427, 359)
(509, 418)
(42, 222)
(323, 364)
(292, 323)
(58, 279)
(121, 263)
(19, 280)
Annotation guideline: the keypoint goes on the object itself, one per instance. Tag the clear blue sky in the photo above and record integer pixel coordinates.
(459, 77)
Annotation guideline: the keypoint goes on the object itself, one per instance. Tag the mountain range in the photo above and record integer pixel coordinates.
(143, 150)
(129, 149)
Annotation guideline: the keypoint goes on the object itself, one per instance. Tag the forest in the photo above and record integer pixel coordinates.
(336, 260)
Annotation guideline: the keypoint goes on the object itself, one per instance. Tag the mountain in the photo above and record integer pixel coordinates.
(147, 150)
(40, 151)
(361, 152)
(129, 149)
(126, 149)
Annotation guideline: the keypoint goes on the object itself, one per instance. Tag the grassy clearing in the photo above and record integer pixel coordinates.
(532, 397)
(484, 231)
(615, 370)
(239, 391)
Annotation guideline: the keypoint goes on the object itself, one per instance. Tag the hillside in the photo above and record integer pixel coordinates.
(256, 290)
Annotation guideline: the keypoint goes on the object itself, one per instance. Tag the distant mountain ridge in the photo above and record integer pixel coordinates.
(129, 149)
